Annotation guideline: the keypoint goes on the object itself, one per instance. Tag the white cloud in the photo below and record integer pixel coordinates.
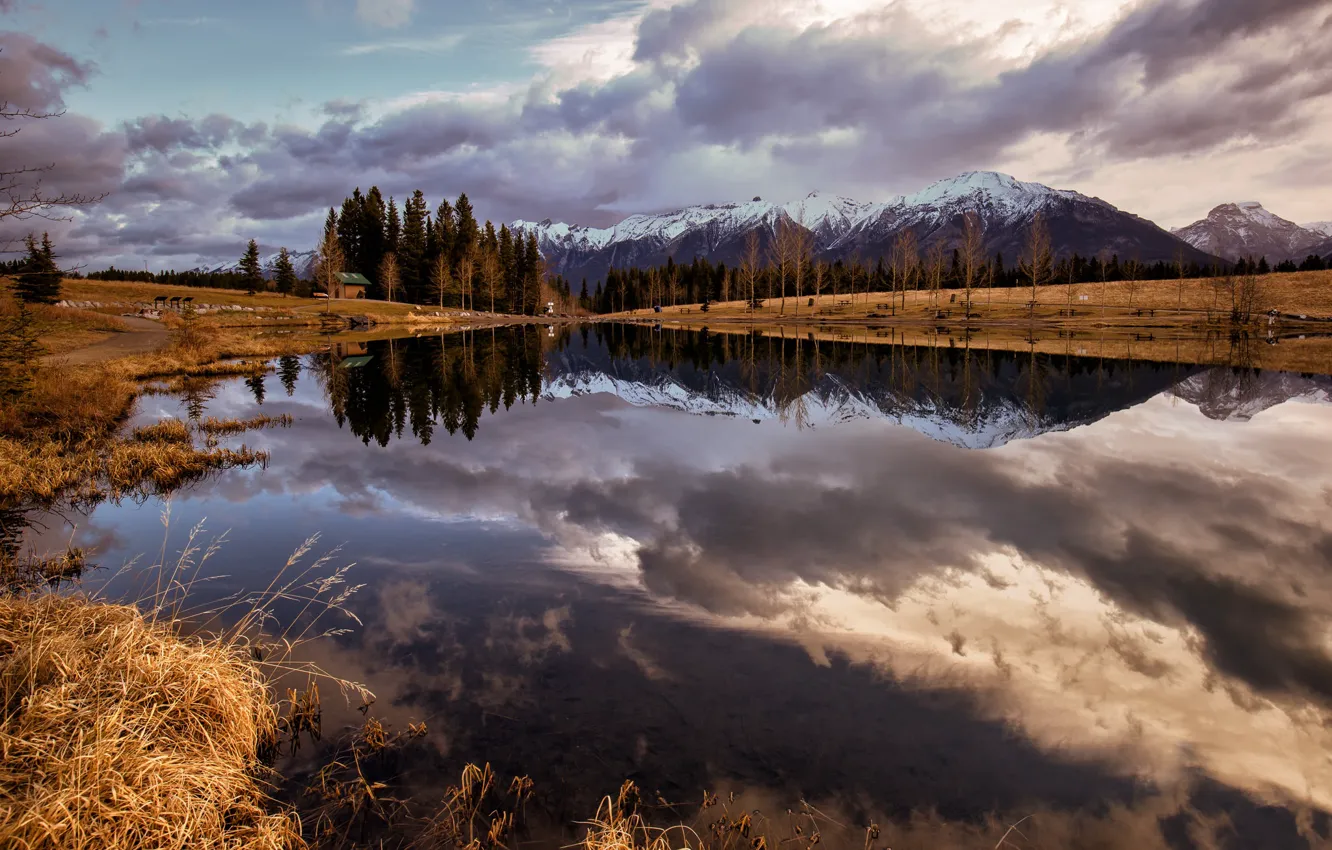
(437, 44)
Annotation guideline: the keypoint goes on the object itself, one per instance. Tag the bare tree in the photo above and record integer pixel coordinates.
(389, 277)
(973, 251)
(782, 253)
(1179, 290)
(490, 273)
(439, 277)
(328, 264)
(1246, 298)
(802, 246)
(905, 258)
(21, 194)
(1132, 272)
(749, 265)
(820, 270)
(935, 260)
(466, 271)
(1039, 262)
(1104, 256)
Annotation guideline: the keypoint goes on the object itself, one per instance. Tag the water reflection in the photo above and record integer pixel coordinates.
(597, 582)
(977, 398)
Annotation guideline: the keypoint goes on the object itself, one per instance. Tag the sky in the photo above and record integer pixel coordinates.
(207, 124)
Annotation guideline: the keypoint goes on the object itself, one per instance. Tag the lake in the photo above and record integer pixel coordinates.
(936, 583)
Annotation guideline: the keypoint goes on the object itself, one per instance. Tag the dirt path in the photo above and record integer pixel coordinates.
(144, 336)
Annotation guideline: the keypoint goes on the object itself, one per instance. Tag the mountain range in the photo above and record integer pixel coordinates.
(1246, 229)
(302, 261)
(846, 229)
(843, 228)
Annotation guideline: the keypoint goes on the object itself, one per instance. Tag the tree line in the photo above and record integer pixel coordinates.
(443, 257)
(786, 269)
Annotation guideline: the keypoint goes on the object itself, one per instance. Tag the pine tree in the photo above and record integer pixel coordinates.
(284, 276)
(518, 294)
(256, 385)
(445, 229)
(252, 273)
(412, 252)
(373, 226)
(40, 281)
(392, 229)
(508, 268)
(349, 232)
(289, 369)
(465, 228)
(534, 271)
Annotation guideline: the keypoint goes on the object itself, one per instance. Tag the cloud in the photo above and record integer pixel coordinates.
(439, 44)
(385, 13)
(34, 75)
(667, 105)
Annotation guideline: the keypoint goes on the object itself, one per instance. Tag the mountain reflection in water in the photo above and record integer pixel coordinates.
(590, 582)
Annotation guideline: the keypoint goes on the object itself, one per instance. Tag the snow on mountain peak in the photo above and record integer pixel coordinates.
(835, 220)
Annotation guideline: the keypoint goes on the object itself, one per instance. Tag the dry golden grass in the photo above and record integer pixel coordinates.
(308, 309)
(42, 473)
(59, 438)
(61, 330)
(118, 732)
(228, 427)
(134, 291)
(1189, 302)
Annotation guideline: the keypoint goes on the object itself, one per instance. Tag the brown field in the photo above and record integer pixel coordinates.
(310, 309)
(1177, 303)
(63, 330)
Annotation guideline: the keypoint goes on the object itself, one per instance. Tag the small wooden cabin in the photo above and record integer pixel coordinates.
(350, 285)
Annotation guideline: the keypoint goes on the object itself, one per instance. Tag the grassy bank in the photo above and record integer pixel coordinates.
(119, 732)
(61, 435)
(261, 308)
(1176, 303)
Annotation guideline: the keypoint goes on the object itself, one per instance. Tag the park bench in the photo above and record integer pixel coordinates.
(845, 302)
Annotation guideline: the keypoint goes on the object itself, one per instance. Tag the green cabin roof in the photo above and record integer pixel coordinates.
(355, 362)
(353, 278)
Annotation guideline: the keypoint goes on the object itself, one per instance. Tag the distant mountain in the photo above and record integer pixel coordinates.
(843, 228)
(1323, 227)
(1247, 229)
(302, 261)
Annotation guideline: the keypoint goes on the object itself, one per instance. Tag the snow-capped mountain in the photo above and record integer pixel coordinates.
(302, 261)
(1246, 229)
(843, 228)
(1323, 227)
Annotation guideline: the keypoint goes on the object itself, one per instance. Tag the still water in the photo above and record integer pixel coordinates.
(922, 582)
